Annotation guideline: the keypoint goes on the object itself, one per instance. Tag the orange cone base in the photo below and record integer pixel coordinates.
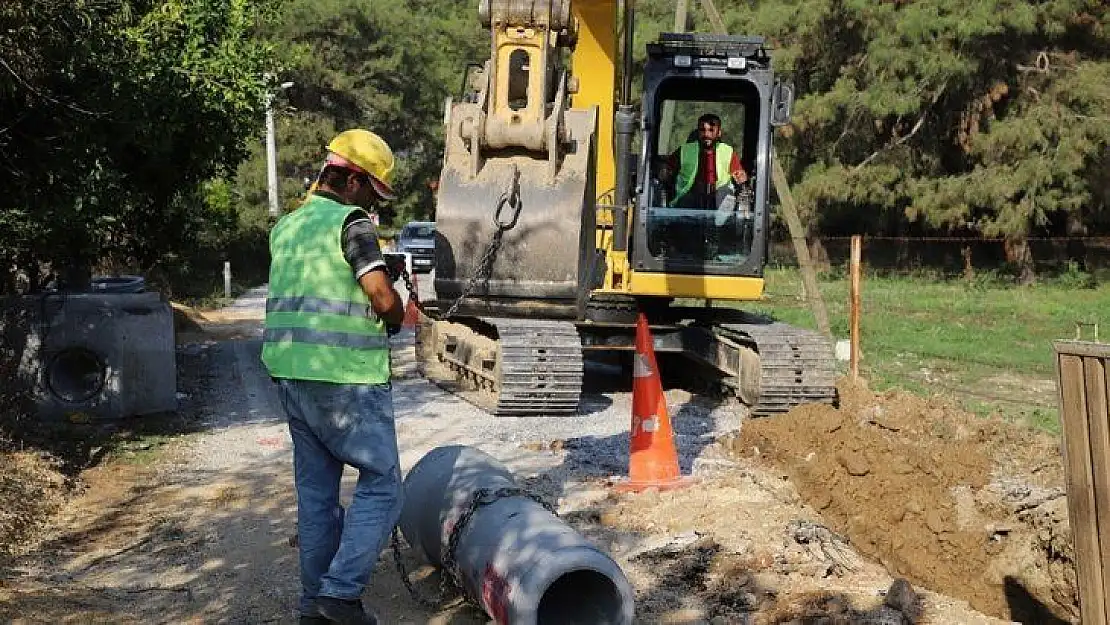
(675, 483)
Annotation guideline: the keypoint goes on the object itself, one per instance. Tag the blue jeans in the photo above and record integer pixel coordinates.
(333, 425)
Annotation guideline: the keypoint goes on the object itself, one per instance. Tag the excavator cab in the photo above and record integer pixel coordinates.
(716, 229)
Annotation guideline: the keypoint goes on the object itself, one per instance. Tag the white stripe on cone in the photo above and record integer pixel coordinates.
(640, 366)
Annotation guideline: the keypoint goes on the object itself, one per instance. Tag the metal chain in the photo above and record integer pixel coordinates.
(452, 578)
(511, 199)
(395, 543)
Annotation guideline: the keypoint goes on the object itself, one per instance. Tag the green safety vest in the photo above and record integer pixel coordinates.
(688, 167)
(319, 323)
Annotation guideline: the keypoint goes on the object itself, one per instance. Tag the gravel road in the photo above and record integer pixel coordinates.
(203, 535)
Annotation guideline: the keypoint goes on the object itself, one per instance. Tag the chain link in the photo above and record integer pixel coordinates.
(452, 577)
(395, 543)
(511, 199)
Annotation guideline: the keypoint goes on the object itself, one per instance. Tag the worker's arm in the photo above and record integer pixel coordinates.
(360, 248)
(384, 299)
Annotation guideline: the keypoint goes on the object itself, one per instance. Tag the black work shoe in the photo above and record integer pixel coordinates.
(344, 611)
(315, 619)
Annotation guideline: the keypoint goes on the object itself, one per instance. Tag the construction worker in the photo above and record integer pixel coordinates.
(700, 165)
(330, 309)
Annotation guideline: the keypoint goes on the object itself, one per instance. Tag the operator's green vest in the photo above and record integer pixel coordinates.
(319, 323)
(688, 167)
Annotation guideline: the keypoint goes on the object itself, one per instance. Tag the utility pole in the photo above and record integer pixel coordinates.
(271, 153)
(271, 157)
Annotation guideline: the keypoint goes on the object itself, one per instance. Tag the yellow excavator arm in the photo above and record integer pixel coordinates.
(596, 49)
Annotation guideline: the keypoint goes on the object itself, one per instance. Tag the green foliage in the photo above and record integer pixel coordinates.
(1073, 277)
(387, 67)
(115, 114)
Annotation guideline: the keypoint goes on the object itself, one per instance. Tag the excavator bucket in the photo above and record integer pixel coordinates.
(515, 227)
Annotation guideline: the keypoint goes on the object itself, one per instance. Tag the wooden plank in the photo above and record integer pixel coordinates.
(1081, 494)
(1083, 348)
(1094, 374)
(714, 16)
(666, 121)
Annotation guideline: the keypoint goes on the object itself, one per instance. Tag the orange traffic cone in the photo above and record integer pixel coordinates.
(653, 457)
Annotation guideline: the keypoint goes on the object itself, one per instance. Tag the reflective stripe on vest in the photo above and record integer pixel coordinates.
(325, 337)
(688, 160)
(302, 304)
(319, 323)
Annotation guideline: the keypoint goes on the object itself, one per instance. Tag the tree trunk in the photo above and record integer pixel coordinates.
(1020, 256)
(969, 268)
(1075, 247)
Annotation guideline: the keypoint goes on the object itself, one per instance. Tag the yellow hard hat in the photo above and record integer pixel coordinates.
(364, 152)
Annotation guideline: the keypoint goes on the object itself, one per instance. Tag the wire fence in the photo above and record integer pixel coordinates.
(952, 256)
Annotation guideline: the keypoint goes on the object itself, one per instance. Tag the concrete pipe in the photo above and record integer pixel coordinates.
(518, 561)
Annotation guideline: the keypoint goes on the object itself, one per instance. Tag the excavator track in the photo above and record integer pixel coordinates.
(516, 367)
(532, 368)
(797, 366)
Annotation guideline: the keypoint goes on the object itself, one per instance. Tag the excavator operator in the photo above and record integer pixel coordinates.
(698, 164)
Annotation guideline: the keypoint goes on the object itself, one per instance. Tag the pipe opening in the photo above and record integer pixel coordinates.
(75, 375)
(582, 597)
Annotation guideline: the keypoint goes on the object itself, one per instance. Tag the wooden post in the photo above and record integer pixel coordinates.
(854, 311)
(714, 17)
(789, 211)
(1083, 380)
(801, 250)
(227, 278)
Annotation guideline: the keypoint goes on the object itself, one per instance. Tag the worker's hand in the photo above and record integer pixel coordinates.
(740, 176)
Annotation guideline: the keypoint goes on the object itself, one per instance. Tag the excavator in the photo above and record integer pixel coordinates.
(557, 226)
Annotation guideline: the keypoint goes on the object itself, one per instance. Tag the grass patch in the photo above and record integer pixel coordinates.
(985, 342)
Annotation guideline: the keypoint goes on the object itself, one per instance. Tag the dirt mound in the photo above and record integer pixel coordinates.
(970, 507)
(31, 489)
